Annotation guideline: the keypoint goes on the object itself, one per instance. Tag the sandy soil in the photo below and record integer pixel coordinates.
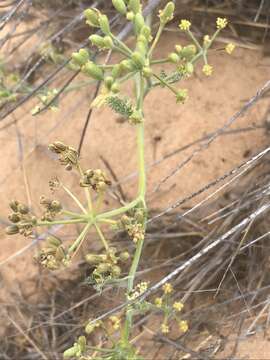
(168, 127)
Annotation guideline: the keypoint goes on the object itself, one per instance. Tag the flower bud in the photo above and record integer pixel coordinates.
(91, 69)
(108, 42)
(141, 47)
(53, 241)
(138, 59)
(89, 328)
(135, 6)
(124, 256)
(104, 24)
(97, 40)
(116, 271)
(173, 58)
(116, 71)
(115, 87)
(94, 259)
(92, 16)
(57, 147)
(138, 22)
(178, 49)
(71, 352)
(14, 218)
(120, 6)
(166, 14)
(103, 268)
(130, 15)
(147, 72)
(14, 205)
(12, 230)
(80, 57)
(82, 343)
(127, 65)
(188, 52)
(108, 81)
(146, 32)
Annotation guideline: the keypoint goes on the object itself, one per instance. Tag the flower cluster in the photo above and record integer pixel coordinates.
(133, 224)
(22, 220)
(53, 256)
(106, 266)
(96, 179)
(52, 208)
(138, 290)
(170, 309)
(67, 155)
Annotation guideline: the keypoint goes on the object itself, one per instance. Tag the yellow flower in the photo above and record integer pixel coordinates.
(207, 70)
(142, 287)
(158, 302)
(230, 48)
(164, 328)
(206, 40)
(167, 288)
(184, 25)
(221, 23)
(183, 326)
(115, 321)
(178, 306)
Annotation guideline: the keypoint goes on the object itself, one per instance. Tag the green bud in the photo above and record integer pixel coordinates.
(127, 65)
(173, 58)
(120, 6)
(189, 68)
(53, 241)
(135, 6)
(124, 256)
(116, 271)
(92, 70)
(181, 95)
(109, 80)
(141, 47)
(97, 40)
(71, 352)
(92, 16)
(89, 328)
(147, 72)
(104, 24)
(146, 32)
(108, 42)
(138, 22)
(138, 59)
(80, 57)
(12, 230)
(130, 16)
(103, 268)
(188, 52)
(82, 343)
(95, 259)
(136, 117)
(166, 14)
(116, 71)
(115, 89)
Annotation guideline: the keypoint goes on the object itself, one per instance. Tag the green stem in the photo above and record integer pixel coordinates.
(74, 198)
(87, 194)
(64, 222)
(159, 32)
(142, 189)
(102, 237)
(80, 238)
(71, 213)
(119, 211)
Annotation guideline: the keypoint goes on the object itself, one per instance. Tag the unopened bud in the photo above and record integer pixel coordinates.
(173, 58)
(97, 40)
(12, 230)
(104, 24)
(135, 6)
(92, 16)
(138, 22)
(91, 69)
(166, 14)
(120, 6)
(80, 57)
